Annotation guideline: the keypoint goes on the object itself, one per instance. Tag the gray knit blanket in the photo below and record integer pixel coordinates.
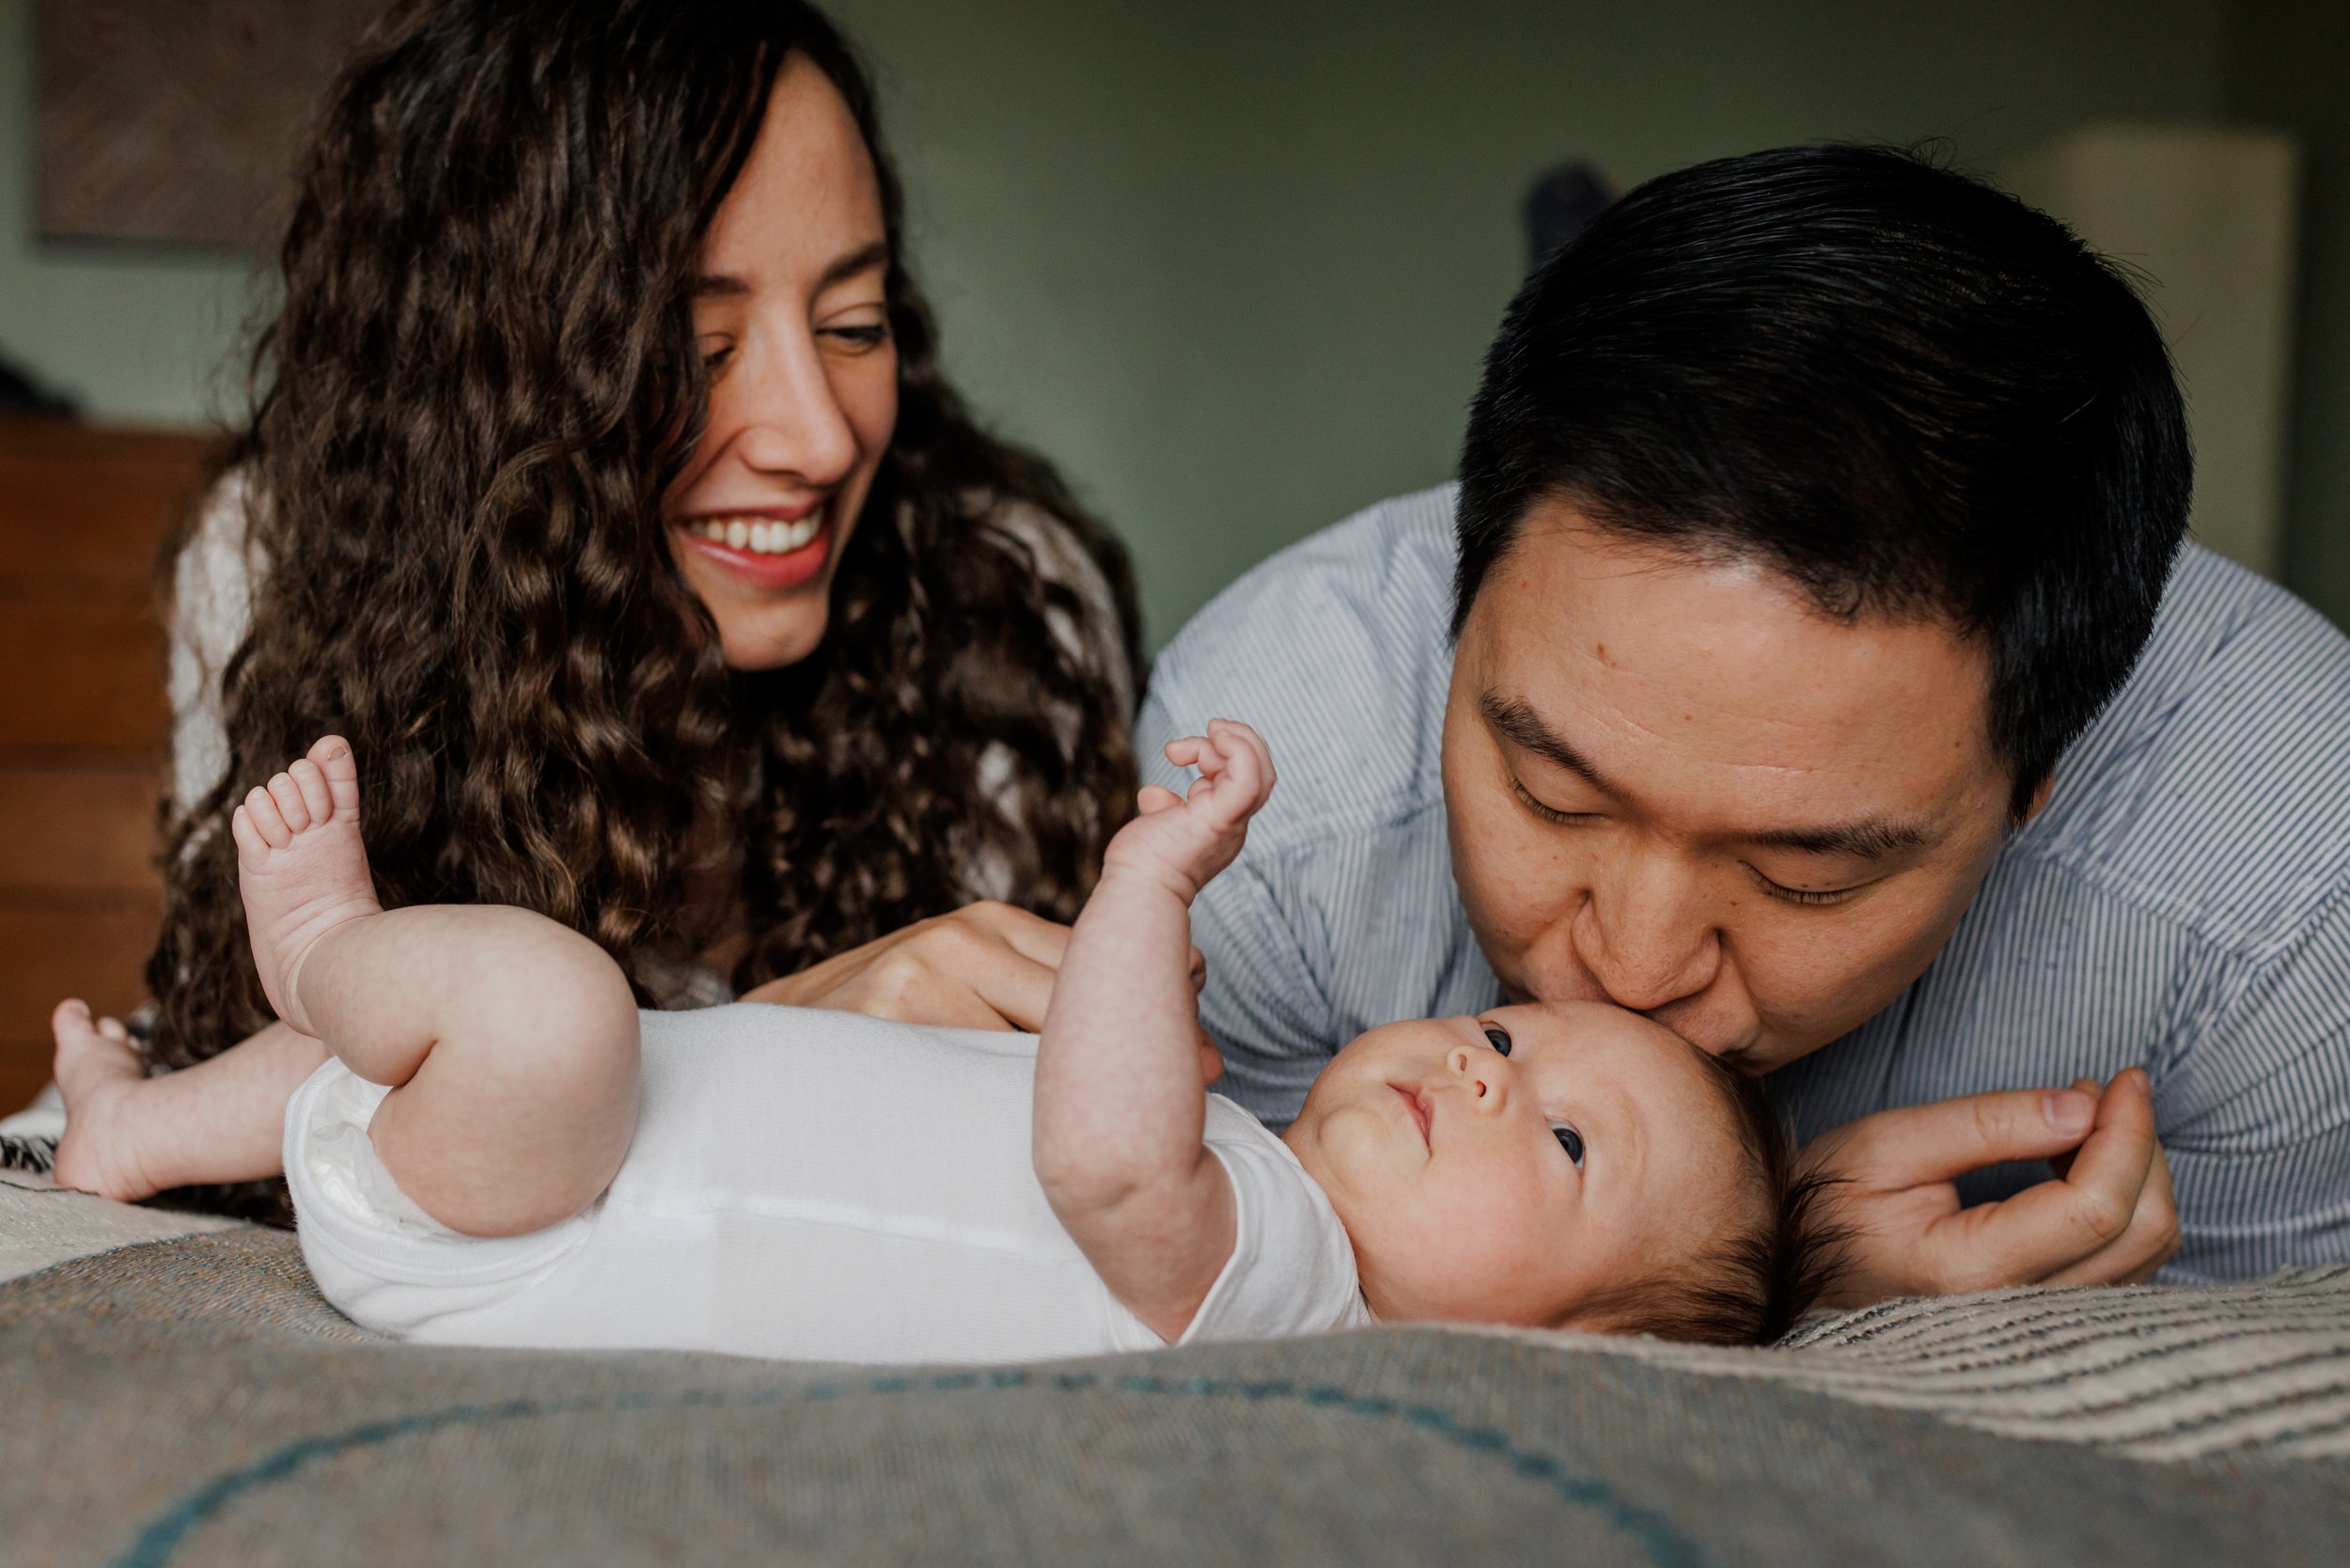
(192, 1401)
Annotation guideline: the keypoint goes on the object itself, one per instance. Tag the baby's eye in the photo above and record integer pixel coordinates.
(1498, 1038)
(1569, 1139)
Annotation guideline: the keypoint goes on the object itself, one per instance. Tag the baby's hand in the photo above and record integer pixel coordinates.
(1184, 840)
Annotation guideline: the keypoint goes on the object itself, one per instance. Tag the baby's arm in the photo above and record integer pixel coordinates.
(1121, 1115)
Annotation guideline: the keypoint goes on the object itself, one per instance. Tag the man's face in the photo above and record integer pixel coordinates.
(1679, 786)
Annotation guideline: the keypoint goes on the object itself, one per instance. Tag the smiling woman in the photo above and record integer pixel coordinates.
(603, 487)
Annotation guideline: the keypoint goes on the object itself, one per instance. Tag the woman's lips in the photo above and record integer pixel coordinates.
(764, 568)
(1416, 1107)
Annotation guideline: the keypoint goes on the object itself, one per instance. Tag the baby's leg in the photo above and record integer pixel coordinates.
(128, 1137)
(510, 1041)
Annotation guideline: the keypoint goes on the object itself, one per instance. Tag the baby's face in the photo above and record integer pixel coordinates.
(1485, 1186)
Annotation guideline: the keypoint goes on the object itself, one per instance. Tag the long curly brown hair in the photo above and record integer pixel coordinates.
(480, 380)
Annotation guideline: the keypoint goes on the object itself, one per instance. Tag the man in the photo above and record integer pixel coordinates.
(1787, 666)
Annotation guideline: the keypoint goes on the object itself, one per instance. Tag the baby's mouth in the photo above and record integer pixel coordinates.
(1415, 1105)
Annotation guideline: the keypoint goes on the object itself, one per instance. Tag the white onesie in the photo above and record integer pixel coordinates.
(810, 1185)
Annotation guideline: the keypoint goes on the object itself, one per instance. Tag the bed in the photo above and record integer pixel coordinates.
(178, 1393)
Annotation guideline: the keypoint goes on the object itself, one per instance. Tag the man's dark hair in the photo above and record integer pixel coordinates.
(1906, 392)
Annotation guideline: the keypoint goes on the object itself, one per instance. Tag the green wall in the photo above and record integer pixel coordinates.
(2289, 67)
(134, 333)
(1233, 265)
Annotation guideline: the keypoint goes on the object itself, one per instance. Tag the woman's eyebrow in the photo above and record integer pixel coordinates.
(862, 260)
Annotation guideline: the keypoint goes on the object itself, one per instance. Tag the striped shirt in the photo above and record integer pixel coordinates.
(2183, 903)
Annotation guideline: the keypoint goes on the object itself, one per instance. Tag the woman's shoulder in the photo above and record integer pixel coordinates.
(212, 577)
(211, 608)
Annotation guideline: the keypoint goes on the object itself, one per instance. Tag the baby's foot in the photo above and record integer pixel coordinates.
(99, 1074)
(302, 867)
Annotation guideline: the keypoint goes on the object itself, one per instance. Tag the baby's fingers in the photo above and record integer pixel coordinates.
(1248, 763)
(1153, 798)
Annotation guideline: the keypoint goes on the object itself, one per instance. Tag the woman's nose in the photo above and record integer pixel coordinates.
(788, 419)
(1483, 1076)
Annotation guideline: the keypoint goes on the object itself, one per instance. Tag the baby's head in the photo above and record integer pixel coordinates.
(1562, 1166)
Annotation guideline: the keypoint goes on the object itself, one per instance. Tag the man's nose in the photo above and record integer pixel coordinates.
(1645, 935)
(1483, 1076)
(790, 419)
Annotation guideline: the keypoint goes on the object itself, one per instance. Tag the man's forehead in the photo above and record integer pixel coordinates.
(1648, 658)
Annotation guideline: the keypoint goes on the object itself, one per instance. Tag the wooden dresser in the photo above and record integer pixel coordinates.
(82, 720)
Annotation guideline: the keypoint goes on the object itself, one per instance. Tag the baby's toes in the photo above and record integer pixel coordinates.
(312, 783)
(71, 1017)
(332, 756)
(287, 794)
(261, 812)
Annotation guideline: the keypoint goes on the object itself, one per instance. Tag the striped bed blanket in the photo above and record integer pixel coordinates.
(180, 1394)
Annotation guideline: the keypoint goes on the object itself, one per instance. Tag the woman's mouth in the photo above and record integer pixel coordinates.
(1415, 1106)
(766, 549)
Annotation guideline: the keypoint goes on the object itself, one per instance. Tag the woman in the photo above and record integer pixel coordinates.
(602, 467)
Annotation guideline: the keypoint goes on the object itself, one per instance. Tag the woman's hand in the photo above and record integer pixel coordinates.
(985, 966)
(2106, 1218)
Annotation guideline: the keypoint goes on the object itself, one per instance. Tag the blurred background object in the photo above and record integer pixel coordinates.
(22, 397)
(2209, 219)
(1560, 204)
(177, 122)
(1234, 265)
(83, 514)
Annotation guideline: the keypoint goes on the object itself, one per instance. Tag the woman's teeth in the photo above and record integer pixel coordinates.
(760, 535)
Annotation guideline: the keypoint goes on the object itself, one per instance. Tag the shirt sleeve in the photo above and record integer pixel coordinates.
(1293, 1268)
(1263, 1003)
(2258, 1138)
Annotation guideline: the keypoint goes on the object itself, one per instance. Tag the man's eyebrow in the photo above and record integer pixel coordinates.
(1873, 839)
(863, 260)
(1523, 728)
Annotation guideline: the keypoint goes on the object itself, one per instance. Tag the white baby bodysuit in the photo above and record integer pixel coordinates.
(810, 1185)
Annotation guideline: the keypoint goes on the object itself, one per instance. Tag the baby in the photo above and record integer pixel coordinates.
(503, 1151)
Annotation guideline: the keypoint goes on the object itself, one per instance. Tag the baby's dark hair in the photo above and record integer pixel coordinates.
(1750, 1287)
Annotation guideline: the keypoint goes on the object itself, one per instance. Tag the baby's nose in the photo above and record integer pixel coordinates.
(1481, 1074)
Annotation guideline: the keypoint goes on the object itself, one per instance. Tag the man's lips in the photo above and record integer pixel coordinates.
(1415, 1106)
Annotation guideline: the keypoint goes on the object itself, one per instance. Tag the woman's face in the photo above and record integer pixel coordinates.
(790, 314)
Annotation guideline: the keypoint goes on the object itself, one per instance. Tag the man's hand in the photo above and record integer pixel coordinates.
(2106, 1218)
(985, 966)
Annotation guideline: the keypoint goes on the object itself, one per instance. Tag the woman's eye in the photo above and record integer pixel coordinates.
(1569, 1139)
(859, 337)
(1498, 1038)
(716, 354)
